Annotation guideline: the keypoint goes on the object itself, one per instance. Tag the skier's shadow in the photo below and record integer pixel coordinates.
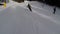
(27, 12)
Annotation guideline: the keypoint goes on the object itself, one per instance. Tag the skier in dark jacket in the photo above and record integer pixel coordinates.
(54, 10)
(29, 6)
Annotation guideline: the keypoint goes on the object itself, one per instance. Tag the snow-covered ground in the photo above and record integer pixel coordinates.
(46, 10)
(17, 19)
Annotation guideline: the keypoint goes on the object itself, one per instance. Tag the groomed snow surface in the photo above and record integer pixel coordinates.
(17, 19)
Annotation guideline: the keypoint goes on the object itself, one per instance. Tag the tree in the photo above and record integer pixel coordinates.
(19, 0)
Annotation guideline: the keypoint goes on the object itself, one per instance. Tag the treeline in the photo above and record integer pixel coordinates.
(51, 2)
(19, 1)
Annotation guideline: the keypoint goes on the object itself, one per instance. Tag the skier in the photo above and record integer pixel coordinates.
(54, 10)
(28, 5)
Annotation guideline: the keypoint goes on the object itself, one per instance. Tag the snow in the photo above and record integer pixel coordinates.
(17, 19)
(47, 10)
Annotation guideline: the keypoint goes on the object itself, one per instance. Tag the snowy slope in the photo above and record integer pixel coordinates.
(46, 10)
(17, 19)
(21, 21)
